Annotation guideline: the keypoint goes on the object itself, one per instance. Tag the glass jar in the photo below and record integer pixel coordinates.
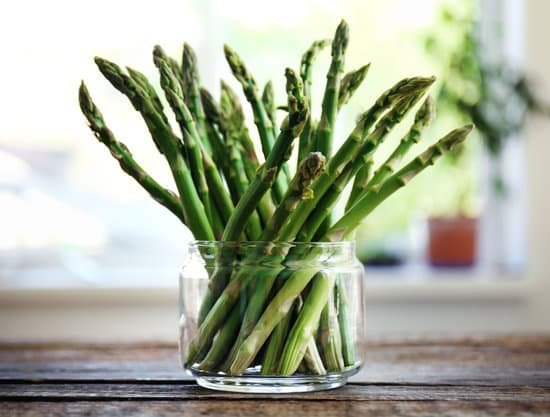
(271, 316)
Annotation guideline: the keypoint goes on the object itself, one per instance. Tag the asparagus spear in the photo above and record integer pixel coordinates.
(216, 130)
(350, 83)
(352, 218)
(144, 83)
(270, 363)
(359, 183)
(250, 89)
(330, 337)
(299, 189)
(351, 148)
(191, 89)
(312, 358)
(290, 129)
(174, 95)
(308, 58)
(229, 120)
(167, 143)
(325, 131)
(315, 222)
(314, 304)
(274, 310)
(268, 100)
(316, 299)
(261, 118)
(423, 118)
(124, 157)
(345, 321)
(225, 337)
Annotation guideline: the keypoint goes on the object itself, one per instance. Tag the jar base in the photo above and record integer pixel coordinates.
(257, 384)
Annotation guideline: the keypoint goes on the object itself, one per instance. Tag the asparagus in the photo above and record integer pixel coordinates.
(352, 218)
(174, 95)
(290, 129)
(353, 146)
(305, 73)
(313, 360)
(359, 183)
(225, 337)
(122, 154)
(330, 337)
(191, 89)
(423, 118)
(303, 328)
(216, 130)
(144, 83)
(262, 299)
(300, 279)
(299, 189)
(325, 131)
(167, 143)
(270, 363)
(268, 100)
(261, 118)
(345, 320)
(350, 83)
(231, 114)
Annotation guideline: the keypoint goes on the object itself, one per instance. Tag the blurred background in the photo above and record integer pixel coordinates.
(85, 253)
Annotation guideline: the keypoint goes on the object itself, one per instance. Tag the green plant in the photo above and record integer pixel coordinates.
(488, 90)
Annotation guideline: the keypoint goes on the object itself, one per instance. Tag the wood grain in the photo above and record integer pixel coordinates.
(497, 376)
(296, 408)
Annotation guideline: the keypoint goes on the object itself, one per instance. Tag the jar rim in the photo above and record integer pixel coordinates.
(254, 243)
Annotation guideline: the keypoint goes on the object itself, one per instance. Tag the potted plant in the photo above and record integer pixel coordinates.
(494, 95)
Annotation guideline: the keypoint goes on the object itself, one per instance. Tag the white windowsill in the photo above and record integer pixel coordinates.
(401, 284)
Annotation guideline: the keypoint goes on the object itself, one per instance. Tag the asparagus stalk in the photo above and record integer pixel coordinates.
(345, 320)
(299, 189)
(325, 131)
(268, 100)
(306, 67)
(270, 364)
(215, 136)
(174, 95)
(350, 83)
(422, 119)
(290, 129)
(144, 83)
(330, 337)
(225, 337)
(167, 143)
(230, 117)
(294, 285)
(353, 150)
(305, 324)
(313, 360)
(216, 130)
(122, 154)
(359, 183)
(261, 118)
(352, 218)
(191, 89)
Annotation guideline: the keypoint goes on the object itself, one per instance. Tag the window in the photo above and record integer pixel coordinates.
(71, 218)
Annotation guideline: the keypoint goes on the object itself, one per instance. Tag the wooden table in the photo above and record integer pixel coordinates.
(504, 376)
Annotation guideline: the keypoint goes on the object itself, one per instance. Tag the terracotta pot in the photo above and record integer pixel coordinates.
(452, 241)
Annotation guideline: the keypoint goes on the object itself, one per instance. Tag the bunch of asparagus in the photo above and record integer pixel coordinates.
(227, 192)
